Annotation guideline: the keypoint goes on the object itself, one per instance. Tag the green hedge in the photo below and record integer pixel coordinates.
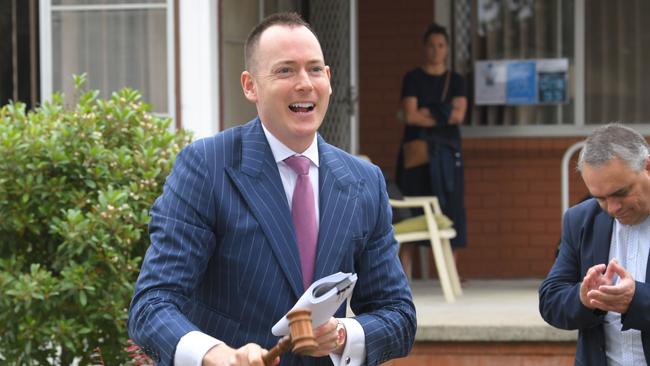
(76, 185)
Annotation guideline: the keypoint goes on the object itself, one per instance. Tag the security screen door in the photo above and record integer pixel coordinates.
(335, 23)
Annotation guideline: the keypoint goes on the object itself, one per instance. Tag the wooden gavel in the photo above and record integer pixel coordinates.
(300, 339)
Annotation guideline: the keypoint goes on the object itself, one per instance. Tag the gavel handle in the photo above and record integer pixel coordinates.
(283, 346)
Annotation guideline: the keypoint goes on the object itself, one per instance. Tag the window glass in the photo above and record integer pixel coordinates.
(523, 30)
(116, 49)
(105, 2)
(617, 57)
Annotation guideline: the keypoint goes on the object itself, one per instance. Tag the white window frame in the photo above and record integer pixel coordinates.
(45, 15)
(199, 66)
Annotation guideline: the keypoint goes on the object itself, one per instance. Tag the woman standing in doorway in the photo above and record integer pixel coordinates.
(434, 103)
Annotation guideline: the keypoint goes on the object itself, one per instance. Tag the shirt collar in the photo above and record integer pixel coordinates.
(281, 151)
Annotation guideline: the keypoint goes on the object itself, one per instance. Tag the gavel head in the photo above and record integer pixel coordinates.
(302, 334)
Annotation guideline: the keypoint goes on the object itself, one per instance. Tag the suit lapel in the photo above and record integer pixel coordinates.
(337, 203)
(603, 226)
(259, 183)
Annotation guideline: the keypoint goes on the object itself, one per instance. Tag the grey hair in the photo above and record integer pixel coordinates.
(611, 141)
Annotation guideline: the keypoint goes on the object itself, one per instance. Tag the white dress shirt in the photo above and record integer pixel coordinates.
(194, 345)
(630, 246)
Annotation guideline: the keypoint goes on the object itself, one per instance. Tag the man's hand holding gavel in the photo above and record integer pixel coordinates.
(331, 338)
(224, 355)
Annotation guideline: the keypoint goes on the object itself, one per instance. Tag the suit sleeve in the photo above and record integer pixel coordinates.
(638, 316)
(559, 293)
(382, 298)
(181, 244)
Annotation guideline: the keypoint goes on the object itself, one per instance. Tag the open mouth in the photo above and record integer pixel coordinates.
(301, 107)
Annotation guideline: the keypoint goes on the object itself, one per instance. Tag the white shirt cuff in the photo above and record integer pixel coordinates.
(192, 347)
(354, 353)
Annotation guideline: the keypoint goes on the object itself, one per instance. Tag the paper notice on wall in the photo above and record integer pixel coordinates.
(552, 80)
(521, 82)
(490, 82)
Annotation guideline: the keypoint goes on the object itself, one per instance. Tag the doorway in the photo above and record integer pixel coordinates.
(334, 21)
(18, 45)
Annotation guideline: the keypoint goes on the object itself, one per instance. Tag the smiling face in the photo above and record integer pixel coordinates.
(621, 191)
(290, 84)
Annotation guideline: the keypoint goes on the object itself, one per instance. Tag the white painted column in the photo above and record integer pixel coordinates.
(45, 41)
(199, 67)
(579, 65)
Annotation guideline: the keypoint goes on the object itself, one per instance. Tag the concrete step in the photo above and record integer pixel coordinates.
(488, 311)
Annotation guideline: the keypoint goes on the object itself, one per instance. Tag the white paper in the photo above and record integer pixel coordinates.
(322, 306)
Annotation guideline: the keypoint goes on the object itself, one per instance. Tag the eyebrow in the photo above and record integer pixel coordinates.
(617, 193)
(293, 62)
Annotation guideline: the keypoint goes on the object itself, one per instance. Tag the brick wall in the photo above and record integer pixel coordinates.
(512, 184)
(513, 202)
(489, 353)
(389, 46)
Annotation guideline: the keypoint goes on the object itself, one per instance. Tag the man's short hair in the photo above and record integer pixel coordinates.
(289, 19)
(611, 141)
(434, 28)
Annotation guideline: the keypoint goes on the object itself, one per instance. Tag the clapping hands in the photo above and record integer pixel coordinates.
(598, 289)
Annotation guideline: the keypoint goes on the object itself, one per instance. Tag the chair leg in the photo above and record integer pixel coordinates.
(405, 254)
(443, 271)
(426, 260)
(451, 266)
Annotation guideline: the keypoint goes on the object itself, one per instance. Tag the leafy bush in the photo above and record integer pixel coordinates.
(76, 185)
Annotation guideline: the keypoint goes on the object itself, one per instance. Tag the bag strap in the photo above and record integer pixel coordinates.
(446, 87)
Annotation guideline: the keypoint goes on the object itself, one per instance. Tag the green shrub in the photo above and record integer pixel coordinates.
(76, 185)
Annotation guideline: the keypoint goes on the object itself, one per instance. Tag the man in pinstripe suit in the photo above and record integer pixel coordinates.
(224, 266)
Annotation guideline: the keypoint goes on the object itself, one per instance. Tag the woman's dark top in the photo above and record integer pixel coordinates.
(443, 177)
(428, 90)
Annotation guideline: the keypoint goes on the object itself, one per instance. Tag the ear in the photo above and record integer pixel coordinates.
(248, 85)
(329, 76)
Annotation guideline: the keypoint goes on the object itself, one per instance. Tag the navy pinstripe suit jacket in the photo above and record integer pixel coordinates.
(223, 257)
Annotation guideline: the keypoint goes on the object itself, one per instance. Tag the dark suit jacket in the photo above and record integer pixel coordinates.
(224, 259)
(586, 237)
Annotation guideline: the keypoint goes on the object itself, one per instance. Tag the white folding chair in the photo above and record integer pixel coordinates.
(426, 228)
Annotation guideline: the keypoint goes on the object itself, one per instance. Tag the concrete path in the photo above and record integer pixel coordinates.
(488, 310)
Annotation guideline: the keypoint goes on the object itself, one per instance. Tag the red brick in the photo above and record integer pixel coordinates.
(544, 240)
(541, 268)
(531, 173)
(472, 201)
(485, 188)
(515, 214)
(534, 254)
(491, 227)
(505, 227)
(514, 187)
(498, 174)
(531, 200)
(480, 214)
(530, 227)
(472, 175)
(545, 213)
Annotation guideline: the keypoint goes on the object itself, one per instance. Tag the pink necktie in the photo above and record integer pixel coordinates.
(303, 214)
